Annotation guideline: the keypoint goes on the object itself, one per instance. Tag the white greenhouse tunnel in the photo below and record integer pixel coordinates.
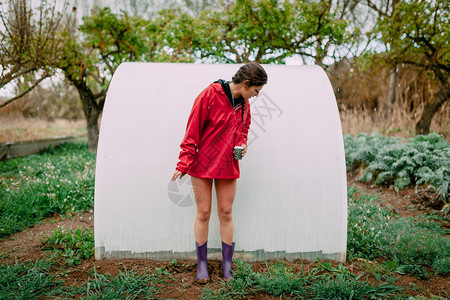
(291, 199)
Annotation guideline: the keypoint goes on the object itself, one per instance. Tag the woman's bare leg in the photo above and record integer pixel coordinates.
(226, 191)
(202, 191)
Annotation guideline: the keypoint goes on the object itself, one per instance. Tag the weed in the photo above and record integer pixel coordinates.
(174, 263)
(342, 286)
(412, 244)
(71, 246)
(322, 282)
(126, 285)
(244, 283)
(282, 281)
(30, 280)
(366, 221)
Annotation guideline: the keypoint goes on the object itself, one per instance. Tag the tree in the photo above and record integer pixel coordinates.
(90, 59)
(418, 34)
(30, 44)
(266, 31)
(104, 41)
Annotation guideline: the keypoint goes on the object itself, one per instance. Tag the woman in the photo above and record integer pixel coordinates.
(219, 121)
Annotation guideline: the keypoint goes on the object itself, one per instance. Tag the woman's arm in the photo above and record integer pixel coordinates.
(196, 122)
(244, 134)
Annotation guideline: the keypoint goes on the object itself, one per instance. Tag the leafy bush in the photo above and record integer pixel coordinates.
(362, 149)
(71, 246)
(388, 160)
(57, 181)
(412, 244)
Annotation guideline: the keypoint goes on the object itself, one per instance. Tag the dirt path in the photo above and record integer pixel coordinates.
(26, 246)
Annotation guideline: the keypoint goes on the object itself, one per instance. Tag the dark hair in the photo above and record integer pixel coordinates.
(253, 72)
(256, 76)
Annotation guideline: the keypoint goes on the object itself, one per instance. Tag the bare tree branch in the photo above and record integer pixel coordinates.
(24, 92)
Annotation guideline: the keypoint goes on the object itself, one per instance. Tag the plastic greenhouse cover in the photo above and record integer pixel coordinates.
(291, 199)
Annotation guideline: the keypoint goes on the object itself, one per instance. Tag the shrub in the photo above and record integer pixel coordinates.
(387, 160)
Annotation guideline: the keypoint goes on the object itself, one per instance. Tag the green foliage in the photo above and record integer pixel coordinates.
(109, 39)
(322, 282)
(58, 181)
(244, 283)
(424, 159)
(365, 224)
(340, 283)
(126, 285)
(412, 244)
(71, 246)
(31, 280)
(362, 149)
(35, 280)
(266, 31)
(415, 248)
(280, 280)
(418, 33)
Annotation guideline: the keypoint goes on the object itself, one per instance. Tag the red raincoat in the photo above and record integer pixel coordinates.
(212, 131)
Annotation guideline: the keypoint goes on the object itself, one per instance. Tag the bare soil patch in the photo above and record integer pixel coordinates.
(26, 245)
(405, 203)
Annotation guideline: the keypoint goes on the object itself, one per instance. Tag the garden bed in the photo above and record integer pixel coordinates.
(26, 246)
(47, 245)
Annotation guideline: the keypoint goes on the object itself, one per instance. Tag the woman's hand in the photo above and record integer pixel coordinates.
(176, 174)
(244, 150)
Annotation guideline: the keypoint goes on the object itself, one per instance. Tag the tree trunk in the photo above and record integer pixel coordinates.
(393, 89)
(92, 111)
(92, 131)
(430, 109)
(389, 106)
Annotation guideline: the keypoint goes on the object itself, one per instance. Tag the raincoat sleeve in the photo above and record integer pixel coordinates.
(247, 120)
(196, 123)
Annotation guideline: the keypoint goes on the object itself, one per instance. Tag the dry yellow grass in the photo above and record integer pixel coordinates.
(14, 128)
(397, 124)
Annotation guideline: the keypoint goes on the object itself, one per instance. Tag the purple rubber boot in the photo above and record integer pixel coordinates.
(202, 263)
(227, 260)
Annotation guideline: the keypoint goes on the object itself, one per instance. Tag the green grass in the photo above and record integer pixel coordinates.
(126, 285)
(34, 280)
(322, 282)
(56, 181)
(30, 280)
(61, 181)
(414, 245)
